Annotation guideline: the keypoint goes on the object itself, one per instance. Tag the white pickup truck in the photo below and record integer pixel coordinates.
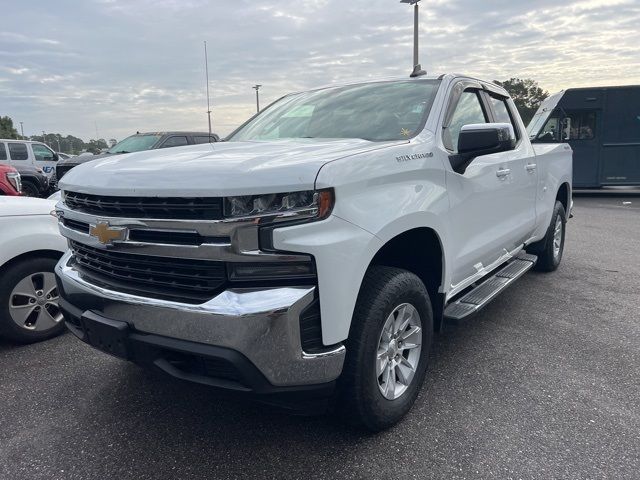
(318, 248)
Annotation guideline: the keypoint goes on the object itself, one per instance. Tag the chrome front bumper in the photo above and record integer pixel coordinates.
(262, 324)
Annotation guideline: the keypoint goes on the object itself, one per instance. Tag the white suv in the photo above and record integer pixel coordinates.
(25, 152)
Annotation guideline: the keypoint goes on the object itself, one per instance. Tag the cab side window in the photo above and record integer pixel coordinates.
(503, 114)
(42, 153)
(175, 142)
(580, 125)
(468, 111)
(201, 139)
(3, 152)
(18, 151)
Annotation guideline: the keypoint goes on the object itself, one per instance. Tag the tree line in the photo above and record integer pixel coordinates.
(59, 143)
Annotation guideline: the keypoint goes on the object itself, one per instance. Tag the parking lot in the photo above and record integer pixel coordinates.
(544, 383)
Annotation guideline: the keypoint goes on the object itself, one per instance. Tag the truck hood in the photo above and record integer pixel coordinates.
(219, 169)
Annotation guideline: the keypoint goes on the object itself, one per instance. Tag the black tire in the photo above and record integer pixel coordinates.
(548, 257)
(360, 398)
(11, 276)
(30, 190)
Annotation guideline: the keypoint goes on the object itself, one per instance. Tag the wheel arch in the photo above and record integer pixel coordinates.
(564, 196)
(420, 251)
(52, 254)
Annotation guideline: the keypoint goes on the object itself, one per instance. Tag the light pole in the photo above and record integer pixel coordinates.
(44, 139)
(22, 130)
(206, 67)
(417, 69)
(257, 89)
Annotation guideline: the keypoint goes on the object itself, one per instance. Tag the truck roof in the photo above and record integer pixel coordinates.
(612, 87)
(451, 76)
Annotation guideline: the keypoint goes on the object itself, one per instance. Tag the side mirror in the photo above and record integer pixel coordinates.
(480, 139)
(56, 157)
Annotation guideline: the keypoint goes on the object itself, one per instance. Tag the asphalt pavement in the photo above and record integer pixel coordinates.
(544, 383)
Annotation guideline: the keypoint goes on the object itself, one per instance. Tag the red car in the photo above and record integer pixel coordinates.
(9, 181)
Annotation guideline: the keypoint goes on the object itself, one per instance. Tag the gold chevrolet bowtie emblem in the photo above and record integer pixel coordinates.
(107, 234)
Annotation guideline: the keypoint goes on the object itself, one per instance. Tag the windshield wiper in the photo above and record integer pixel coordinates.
(121, 151)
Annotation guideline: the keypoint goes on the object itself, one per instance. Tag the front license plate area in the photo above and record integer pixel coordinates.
(109, 336)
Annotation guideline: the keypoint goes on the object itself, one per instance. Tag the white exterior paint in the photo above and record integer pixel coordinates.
(26, 225)
(33, 159)
(480, 219)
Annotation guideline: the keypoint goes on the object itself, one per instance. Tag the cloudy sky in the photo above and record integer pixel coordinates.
(127, 65)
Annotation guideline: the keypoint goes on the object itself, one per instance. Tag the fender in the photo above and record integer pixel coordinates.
(28, 234)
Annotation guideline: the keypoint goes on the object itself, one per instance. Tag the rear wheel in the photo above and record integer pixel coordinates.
(550, 249)
(388, 348)
(29, 309)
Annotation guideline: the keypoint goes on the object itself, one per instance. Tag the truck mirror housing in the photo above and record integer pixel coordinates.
(480, 139)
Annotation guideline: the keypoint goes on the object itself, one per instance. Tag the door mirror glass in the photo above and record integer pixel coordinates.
(480, 139)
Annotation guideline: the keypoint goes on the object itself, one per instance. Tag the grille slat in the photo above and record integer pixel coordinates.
(187, 280)
(170, 208)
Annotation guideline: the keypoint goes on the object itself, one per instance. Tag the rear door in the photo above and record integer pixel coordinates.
(583, 131)
(620, 154)
(524, 170)
(18, 153)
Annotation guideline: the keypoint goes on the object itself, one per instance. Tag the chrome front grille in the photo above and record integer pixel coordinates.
(173, 208)
(186, 280)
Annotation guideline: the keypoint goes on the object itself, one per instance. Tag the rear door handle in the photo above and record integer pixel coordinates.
(531, 167)
(503, 172)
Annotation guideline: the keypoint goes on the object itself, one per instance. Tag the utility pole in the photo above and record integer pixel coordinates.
(22, 130)
(417, 68)
(44, 139)
(206, 68)
(257, 89)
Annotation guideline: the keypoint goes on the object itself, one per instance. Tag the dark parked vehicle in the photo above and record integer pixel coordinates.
(35, 182)
(602, 125)
(138, 143)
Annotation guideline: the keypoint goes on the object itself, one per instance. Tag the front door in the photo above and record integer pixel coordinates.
(44, 157)
(492, 202)
(583, 132)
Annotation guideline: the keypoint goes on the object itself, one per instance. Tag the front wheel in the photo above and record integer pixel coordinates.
(29, 309)
(388, 348)
(30, 190)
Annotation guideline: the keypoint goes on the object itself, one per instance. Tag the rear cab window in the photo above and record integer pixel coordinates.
(175, 141)
(18, 151)
(203, 139)
(503, 113)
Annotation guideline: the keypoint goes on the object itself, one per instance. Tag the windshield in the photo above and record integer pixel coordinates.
(373, 111)
(135, 143)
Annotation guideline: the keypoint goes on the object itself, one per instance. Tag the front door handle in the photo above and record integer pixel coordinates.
(531, 167)
(503, 172)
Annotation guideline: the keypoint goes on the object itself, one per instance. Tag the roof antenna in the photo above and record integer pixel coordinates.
(417, 68)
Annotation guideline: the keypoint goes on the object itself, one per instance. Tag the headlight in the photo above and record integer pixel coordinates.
(14, 179)
(305, 204)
